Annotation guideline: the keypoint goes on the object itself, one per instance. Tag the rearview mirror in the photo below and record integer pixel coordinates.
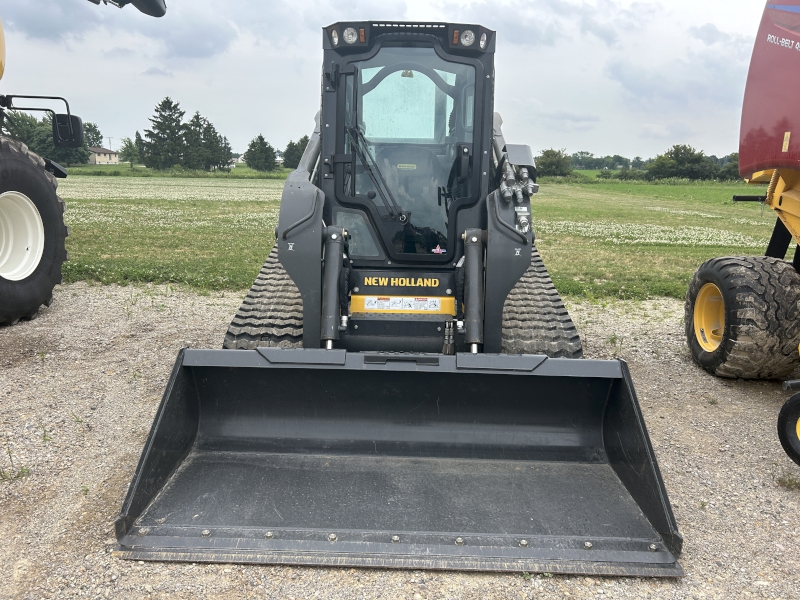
(67, 131)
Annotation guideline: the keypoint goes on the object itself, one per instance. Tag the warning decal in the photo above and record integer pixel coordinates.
(401, 303)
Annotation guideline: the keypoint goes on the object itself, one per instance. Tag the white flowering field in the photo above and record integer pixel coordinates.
(635, 240)
(207, 233)
(611, 239)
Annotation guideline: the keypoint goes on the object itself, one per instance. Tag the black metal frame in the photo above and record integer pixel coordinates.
(330, 185)
(7, 102)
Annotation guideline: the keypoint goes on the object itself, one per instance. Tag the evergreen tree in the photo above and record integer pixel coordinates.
(141, 148)
(294, 152)
(165, 145)
(219, 154)
(260, 156)
(196, 153)
(92, 135)
(128, 151)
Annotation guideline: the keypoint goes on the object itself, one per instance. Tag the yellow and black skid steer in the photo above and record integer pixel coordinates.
(403, 386)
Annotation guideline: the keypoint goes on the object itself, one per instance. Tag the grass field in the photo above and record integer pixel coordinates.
(241, 171)
(206, 233)
(604, 240)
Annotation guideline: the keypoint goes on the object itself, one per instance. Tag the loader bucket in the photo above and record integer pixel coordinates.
(468, 462)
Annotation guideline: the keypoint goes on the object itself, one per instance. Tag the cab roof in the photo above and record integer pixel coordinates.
(457, 38)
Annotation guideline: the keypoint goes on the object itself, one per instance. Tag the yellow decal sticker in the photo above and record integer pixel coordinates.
(786, 137)
(402, 281)
(407, 167)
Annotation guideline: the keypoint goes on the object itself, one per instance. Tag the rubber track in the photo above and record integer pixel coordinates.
(766, 329)
(10, 145)
(272, 311)
(535, 320)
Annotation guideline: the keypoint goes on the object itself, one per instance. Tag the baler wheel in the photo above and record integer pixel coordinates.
(789, 427)
(742, 317)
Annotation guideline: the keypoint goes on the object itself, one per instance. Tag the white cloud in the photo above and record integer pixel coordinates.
(607, 76)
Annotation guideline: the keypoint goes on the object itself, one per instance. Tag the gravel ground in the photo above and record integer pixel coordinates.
(79, 387)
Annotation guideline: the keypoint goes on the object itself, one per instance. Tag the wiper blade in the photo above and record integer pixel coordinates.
(366, 158)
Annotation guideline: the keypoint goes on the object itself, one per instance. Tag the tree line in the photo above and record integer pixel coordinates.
(170, 142)
(680, 161)
(197, 145)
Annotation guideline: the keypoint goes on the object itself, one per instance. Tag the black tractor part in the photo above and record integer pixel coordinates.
(473, 462)
(32, 232)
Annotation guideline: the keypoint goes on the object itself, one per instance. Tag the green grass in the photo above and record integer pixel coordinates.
(607, 239)
(241, 171)
(633, 240)
(209, 234)
(590, 172)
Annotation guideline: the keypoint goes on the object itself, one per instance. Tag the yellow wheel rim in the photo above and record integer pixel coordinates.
(797, 428)
(709, 318)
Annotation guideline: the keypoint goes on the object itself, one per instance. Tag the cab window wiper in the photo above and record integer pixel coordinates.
(360, 146)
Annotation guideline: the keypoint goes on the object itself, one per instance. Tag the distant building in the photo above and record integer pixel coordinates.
(103, 156)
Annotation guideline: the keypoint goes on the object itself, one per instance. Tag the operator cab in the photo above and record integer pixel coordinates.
(403, 160)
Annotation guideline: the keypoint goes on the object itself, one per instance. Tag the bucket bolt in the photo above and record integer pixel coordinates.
(653, 547)
(269, 535)
(523, 543)
(205, 533)
(332, 537)
(395, 539)
(144, 531)
(459, 541)
(587, 545)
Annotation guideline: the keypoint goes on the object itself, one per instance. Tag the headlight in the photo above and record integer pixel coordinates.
(467, 38)
(350, 35)
(335, 37)
(483, 41)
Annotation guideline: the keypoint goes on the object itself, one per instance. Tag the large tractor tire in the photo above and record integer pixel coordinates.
(272, 311)
(32, 233)
(535, 320)
(789, 427)
(742, 317)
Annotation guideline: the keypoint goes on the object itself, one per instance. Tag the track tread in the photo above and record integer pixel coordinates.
(271, 313)
(762, 341)
(535, 320)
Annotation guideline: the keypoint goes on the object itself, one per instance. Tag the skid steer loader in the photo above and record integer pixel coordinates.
(402, 386)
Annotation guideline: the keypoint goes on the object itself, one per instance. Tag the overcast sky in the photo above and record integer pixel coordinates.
(606, 76)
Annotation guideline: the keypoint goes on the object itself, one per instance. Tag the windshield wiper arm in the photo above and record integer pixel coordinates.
(363, 152)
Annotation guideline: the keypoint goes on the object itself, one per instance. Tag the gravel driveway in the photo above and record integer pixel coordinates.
(79, 387)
